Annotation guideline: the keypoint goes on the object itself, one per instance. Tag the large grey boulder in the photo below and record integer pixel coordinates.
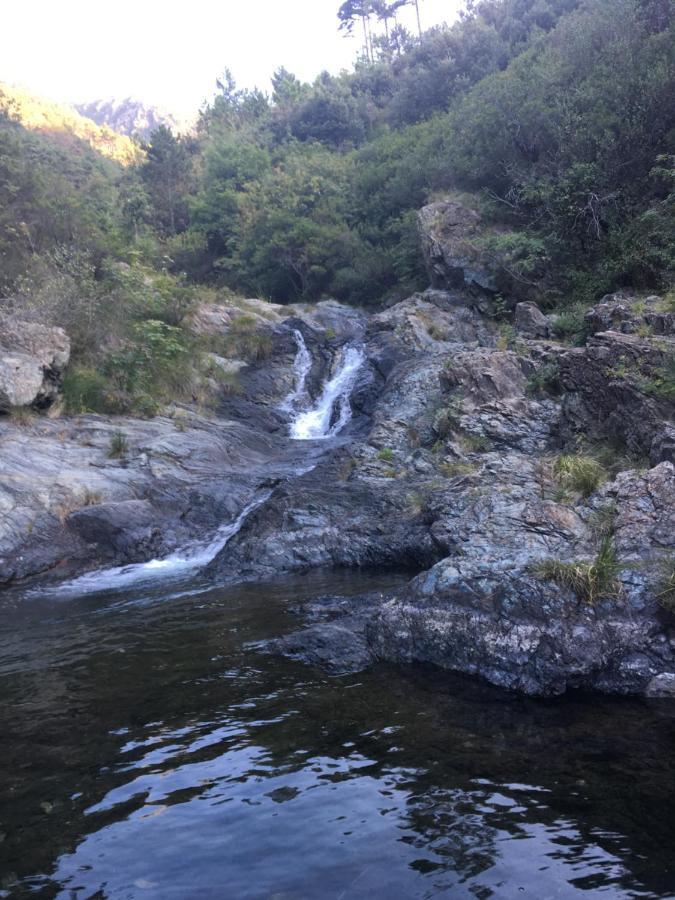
(531, 321)
(32, 360)
(450, 233)
(124, 527)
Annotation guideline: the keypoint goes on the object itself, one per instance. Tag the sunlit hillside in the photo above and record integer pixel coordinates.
(65, 125)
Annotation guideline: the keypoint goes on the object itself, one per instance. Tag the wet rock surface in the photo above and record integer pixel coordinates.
(447, 467)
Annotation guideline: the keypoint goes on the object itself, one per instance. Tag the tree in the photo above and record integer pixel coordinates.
(166, 174)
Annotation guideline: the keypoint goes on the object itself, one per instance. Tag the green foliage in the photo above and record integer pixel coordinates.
(545, 380)
(447, 419)
(591, 581)
(119, 446)
(661, 382)
(569, 325)
(474, 443)
(87, 390)
(153, 360)
(20, 415)
(247, 340)
(386, 454)
(579, 473)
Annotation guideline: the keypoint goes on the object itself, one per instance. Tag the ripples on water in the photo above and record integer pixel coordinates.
(148, 750)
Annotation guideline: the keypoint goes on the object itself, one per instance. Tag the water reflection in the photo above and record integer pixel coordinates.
(148, 752)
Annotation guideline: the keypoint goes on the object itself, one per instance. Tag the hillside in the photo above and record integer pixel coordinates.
(65, 126)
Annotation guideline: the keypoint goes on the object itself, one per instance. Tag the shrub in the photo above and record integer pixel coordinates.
(86, 390)
(474, 443)
(447, 419)
(507, 337)
(119, 446)
(545, 381)
(91, 498)
(246, 341)
(603, 520)
(569, 325)
(386, 454)
(579, 473)
(21, 415)
(589, 580)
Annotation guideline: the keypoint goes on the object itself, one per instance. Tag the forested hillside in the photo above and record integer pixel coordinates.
(555, 118)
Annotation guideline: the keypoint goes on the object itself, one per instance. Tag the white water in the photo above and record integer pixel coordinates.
(326, 418)
(178, 565)
(302, 365)
(315, 423)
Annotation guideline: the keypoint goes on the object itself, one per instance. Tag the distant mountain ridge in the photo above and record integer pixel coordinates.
(65, 126)
(130, 116)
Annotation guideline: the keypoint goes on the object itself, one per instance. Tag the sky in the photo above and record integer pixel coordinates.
(169, 53)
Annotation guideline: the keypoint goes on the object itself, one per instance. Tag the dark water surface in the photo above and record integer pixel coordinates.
(148, 750)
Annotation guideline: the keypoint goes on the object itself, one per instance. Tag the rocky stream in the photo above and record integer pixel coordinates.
(380, 490)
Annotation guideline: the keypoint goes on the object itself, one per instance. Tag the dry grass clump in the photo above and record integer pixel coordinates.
(579, 473)
(453, 469)
(590, 580)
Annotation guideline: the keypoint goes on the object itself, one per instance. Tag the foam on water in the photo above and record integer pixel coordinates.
(180, 564)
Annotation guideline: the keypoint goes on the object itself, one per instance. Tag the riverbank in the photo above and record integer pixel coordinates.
(530, 482)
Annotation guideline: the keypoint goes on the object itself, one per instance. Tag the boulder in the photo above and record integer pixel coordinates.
(120, 527)
(32, 360)
(614, 391)
(531, 321)
(450, 233)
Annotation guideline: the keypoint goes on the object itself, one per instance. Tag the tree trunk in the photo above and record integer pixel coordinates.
(417, 12)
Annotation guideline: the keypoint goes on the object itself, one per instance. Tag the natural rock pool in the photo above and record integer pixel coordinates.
(149, 749)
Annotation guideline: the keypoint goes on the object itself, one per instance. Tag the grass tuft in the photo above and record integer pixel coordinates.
(590, 580)
(119, 446)
(579, 473)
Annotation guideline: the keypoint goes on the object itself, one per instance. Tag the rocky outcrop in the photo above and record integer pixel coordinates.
(530, 320)
(625, 313)
(32, 360)
(450, 234)
(618, 388)
(446, 469)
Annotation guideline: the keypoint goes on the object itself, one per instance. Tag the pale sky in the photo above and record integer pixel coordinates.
(169, 53)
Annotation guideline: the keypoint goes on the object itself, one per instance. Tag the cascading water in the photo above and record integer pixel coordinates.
(326, 418)
(332, 410)
(180, 564)
(302, 365)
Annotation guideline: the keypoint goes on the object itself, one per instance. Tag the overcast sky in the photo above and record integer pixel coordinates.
(169, 53)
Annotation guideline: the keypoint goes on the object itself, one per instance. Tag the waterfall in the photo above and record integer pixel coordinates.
(332, 410)
(182, 563)
(302, 365)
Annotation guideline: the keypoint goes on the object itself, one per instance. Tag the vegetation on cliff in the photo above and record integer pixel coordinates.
(556, 117)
